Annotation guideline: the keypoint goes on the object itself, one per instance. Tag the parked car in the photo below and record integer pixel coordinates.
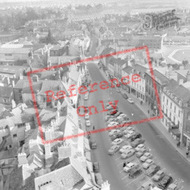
(109, 116)
(93, 144)
(113, 112)
(158, 176)
(136, 136)
(130, 100)
(122, 115)
(96, 167)
(88, 123)
(86, 96)
(127, 129)
(125, 95)
(117, 141)
(147, 164)
(98, 178)
(141, 146)
(130, 166)
(111, 124)
(111, 120)
(152, 170)
(143, 150)
(128, 154)
(148, 154)
(172, 186)
(134, 172)
(136, 142)
(124, 148)
(129, 134)
(143, 158)
(86, 116)
(146, 185)
(139, 154)
(113, 149)
(166, 180)
(118, 114)
(113, 132)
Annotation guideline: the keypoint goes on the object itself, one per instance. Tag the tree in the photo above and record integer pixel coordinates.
(185, 63)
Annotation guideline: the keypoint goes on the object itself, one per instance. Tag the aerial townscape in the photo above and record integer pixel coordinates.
(94, 95)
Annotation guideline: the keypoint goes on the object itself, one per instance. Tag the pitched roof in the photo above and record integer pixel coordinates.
(183, 72)
(51, 85)
(25, 86)
(128, 69)
(14, 50)
(5, 91)
(17, 70)
(179, 90)
(67, 176)
(107, 51)
(140, 68)
(159, 76)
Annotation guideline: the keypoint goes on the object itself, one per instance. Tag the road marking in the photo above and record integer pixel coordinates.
(117, 158)
(124, 177)
(133, 180)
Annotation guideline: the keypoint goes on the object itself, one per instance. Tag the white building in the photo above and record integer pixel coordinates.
(174, 99)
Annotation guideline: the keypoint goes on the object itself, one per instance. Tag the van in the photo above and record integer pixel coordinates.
(147, 185)
(96, 167)
(93, 144)
(98, 178)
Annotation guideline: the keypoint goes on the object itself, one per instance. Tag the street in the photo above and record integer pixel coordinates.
(162, 150)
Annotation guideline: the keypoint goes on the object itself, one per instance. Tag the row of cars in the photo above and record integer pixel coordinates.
(128, 143)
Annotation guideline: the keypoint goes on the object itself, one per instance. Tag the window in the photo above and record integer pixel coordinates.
(179, 113)
(174, 109)
(15, 135)
(163, 98)
(8, 54)
(170, 105)
(167, 102)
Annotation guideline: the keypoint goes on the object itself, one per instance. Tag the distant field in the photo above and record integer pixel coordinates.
(182, 54)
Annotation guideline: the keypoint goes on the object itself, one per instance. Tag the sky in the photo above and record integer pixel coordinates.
(161, 3)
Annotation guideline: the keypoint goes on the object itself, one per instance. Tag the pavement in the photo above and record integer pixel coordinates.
(159, 126)
(161, 145)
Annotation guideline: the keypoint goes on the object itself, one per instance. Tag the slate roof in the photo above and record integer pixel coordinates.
(5, 92)
(67, 176)
(51, 85)
(107, 51)
(14, 50)
(183, 72)
(179, 90)
(140, 68)
(128, 69)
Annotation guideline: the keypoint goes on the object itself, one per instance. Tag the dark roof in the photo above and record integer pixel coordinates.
(51, 85)
(140, 68)
(5, 114)
(128, 69)
(24, 85)
(163, 79)
(107, 51)
(121, 61)
(178, 90)
(5, 91)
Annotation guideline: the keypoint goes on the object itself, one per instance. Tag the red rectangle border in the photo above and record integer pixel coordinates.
(87, 60)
